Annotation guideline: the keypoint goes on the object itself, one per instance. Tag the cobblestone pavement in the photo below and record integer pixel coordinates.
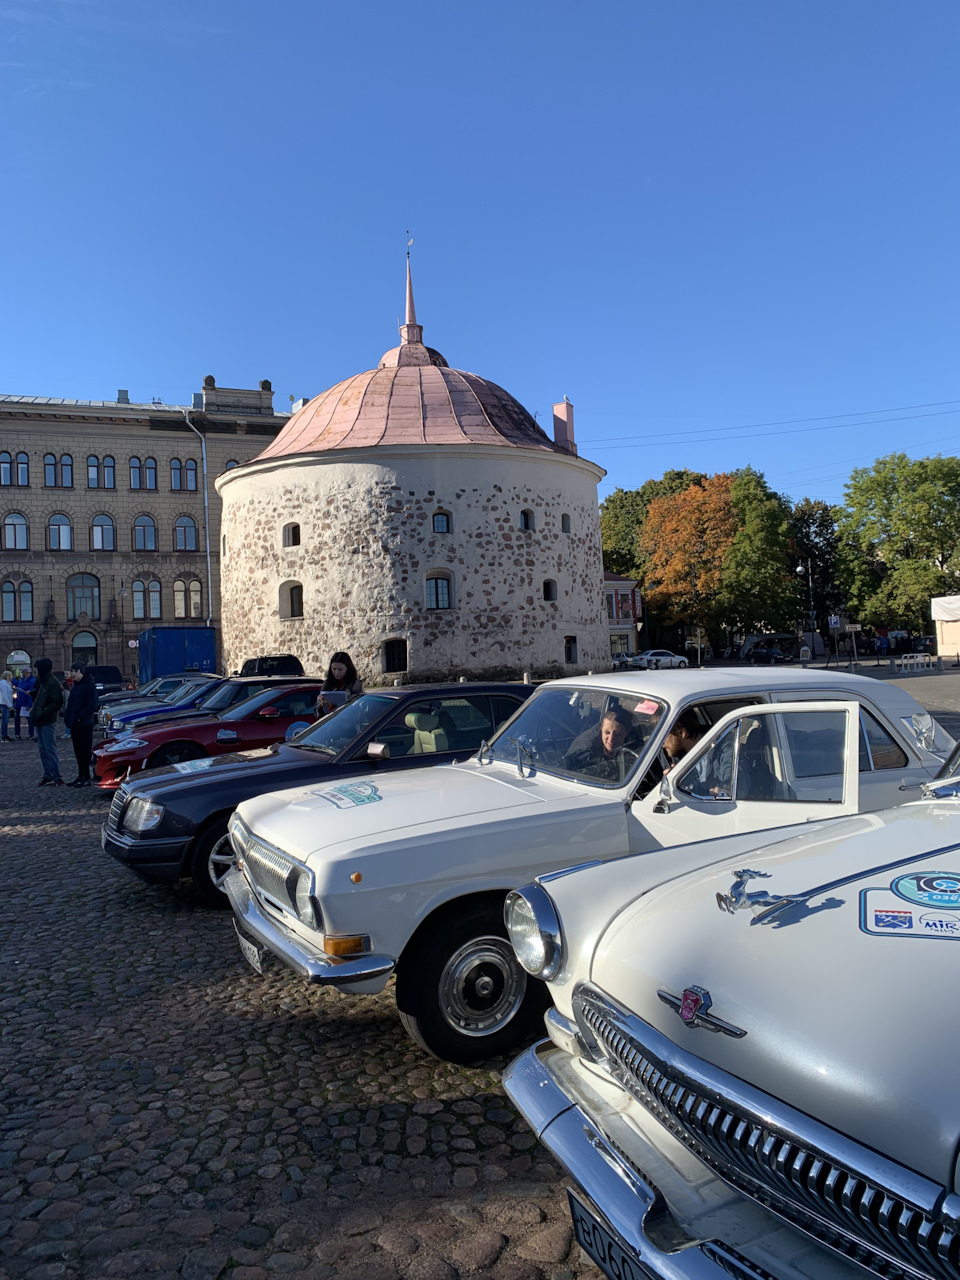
(166, 1113)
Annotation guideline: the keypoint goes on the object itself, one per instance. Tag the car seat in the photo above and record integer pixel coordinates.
(428, 736)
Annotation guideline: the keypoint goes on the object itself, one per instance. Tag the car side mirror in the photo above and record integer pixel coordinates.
(268, 713)
(666, 796)
(378, 751)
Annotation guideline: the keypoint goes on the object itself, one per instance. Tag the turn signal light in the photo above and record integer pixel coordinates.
(354, 946)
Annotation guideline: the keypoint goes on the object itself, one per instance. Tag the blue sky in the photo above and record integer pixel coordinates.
(726, 229)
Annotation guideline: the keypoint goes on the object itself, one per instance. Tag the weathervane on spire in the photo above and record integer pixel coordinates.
(410, 331)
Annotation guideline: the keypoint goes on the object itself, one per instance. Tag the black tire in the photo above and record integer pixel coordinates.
(174, 752)
(461, 993)
(682, 663)
(212, 857)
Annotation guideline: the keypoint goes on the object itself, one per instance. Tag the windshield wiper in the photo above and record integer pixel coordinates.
(527, 751)
(310, 746)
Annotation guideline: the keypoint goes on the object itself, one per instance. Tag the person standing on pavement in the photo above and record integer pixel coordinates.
(79, 717)
(6, 705)
(22, 702)
(47, 701)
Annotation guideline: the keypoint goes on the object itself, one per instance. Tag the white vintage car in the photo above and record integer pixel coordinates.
(751, 1069)
(406, 873)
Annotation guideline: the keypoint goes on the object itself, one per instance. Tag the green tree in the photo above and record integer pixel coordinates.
(813, 525)
(761, 591)
(902, 517)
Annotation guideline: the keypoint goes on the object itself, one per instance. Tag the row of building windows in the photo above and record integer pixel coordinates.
(438, 594)
(101, 472)
(102, 533)
(83, 596)
(290, 534)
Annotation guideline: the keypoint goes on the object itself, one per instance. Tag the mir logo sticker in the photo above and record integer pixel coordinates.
(945, 926)
(350, 794)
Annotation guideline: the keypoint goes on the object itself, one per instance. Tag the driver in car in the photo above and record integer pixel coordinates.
(601, 751)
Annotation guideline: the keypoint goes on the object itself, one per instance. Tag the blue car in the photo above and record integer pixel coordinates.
(183, 699)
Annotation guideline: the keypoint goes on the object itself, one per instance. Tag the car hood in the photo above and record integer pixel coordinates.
(371, 808)
(156, 713)
(263, 763)
(854, 1027)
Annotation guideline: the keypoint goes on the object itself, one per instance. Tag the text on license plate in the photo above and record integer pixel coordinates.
(251, 953)
(608, 1253)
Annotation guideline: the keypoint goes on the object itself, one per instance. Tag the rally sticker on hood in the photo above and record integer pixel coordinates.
(193, 766)
(349, 794)
(929, 889)
(883, 912)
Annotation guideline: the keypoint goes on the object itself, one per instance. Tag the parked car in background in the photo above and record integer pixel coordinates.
(621, 661)
(159, 687)
(254, 722)
(211, 699)
(657, 659)
(277, 664)
(749, 1071)
(106, 679)
(116, 719)
(763, 656)
(407, 873)
(170, 823)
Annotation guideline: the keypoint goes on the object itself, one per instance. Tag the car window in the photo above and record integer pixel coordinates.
(503, 708)
(299, 702)
(433, 725)
(884, 752)
(704, 715)
(587, 734)
(184, 694)
(336, 731)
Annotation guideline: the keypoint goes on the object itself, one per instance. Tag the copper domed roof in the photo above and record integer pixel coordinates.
(413, 397)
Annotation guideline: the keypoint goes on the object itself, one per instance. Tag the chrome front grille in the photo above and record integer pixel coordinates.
(869, 1209)
(117, 806)
(272, 872)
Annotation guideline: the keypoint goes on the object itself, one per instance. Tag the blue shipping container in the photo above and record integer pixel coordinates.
(167, 651)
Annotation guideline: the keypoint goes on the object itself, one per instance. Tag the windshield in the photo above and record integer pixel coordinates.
(220, 698)
(588, 734)
(343, 726)
(184, 693)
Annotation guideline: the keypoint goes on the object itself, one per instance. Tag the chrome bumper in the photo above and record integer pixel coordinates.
(313, 965)
(623, 1203)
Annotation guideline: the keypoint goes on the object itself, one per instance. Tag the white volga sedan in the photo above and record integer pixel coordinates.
(751, 1068)
(381, 872)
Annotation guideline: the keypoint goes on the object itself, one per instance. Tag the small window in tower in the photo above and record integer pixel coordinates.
(441, 522)
(569, 648)
(549, 589)
(527, 521)
(564, 523)
(291, 535)
(394, 655)
(291, 600)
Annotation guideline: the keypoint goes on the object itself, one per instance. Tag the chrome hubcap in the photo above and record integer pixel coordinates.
(221, 860)
(481, 986)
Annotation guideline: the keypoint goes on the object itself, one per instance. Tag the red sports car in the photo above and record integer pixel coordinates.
(189, 744)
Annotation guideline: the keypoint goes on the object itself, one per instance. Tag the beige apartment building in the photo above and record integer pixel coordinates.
(110, 519)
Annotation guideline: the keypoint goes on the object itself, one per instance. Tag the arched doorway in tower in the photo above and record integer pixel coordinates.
(84, 648)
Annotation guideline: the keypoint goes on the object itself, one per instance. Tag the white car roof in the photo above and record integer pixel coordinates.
(688, 684)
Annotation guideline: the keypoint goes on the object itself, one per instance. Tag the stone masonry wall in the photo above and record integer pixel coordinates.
(367, 547)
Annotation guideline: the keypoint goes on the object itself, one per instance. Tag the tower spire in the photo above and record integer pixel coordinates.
(410, 332)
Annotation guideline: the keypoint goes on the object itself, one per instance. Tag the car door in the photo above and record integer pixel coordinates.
(755, 771)
(890, 770)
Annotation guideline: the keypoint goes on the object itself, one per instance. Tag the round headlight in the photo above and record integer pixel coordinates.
(534, 930)
(303, 900)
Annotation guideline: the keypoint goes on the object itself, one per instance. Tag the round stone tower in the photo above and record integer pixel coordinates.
(419, 518)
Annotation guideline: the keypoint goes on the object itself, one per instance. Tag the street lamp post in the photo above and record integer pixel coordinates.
(808, 570)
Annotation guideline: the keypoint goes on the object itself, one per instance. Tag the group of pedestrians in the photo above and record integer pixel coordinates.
(40, 696)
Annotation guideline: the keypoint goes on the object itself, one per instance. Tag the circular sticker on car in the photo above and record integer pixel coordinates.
(929, 889)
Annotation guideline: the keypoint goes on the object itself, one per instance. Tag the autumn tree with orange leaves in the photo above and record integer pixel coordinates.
(684, 543)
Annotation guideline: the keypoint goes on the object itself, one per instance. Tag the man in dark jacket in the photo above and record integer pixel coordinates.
(47, 701)
(79, 717)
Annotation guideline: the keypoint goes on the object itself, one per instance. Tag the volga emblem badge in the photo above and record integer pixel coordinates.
(693, 1001)
(693, 1006)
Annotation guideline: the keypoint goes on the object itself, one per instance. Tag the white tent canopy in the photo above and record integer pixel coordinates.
(945, 608)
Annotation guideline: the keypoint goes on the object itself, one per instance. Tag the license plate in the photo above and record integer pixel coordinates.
(614, 1259)
(251, 952)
